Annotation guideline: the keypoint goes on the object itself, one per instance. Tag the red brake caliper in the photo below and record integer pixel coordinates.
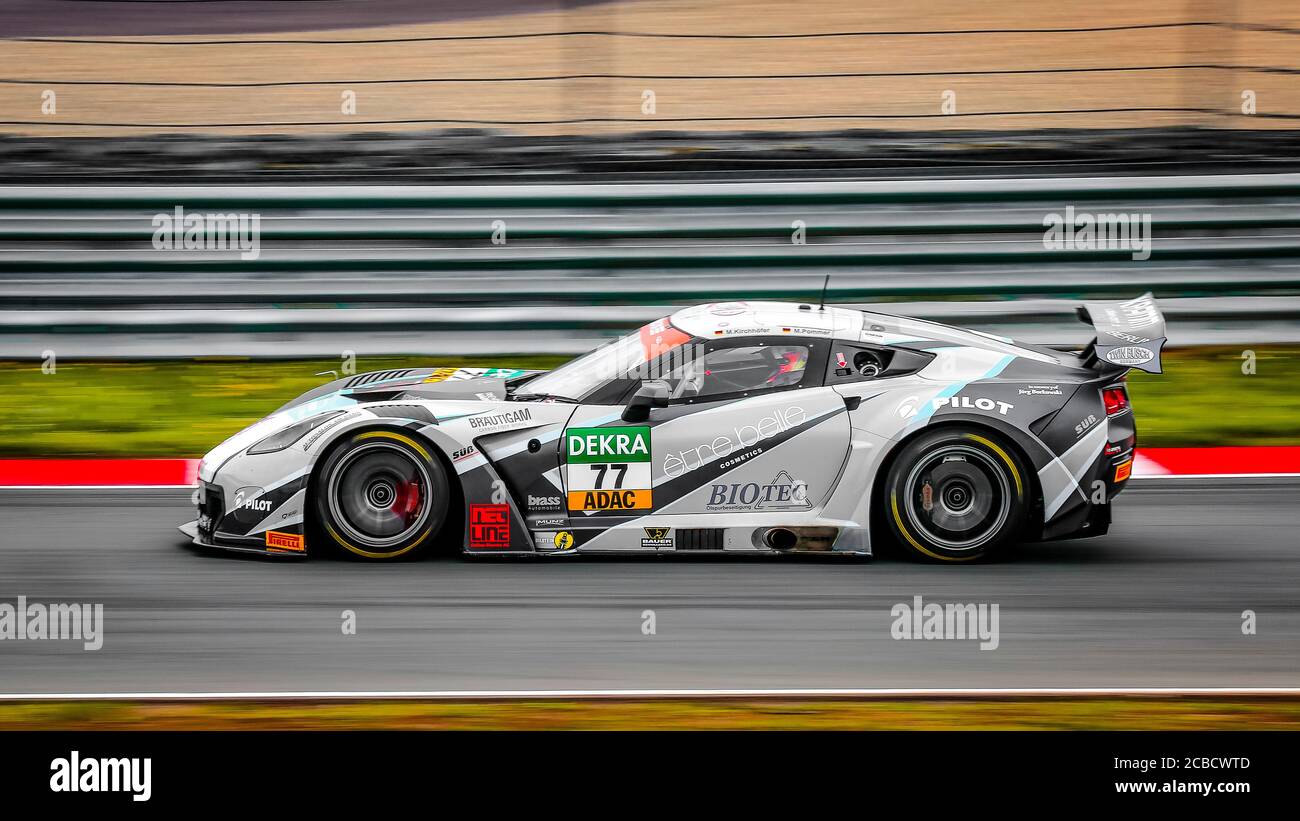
(407, 502)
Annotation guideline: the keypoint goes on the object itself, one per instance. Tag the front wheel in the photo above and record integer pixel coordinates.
(955, 495)
(381, 496)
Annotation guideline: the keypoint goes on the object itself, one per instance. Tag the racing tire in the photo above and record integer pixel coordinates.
(381, 496)
(955, 495)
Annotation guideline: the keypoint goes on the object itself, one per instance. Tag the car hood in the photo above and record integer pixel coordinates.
(414, 383)
(428, 384)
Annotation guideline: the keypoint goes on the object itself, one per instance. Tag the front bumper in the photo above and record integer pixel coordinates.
(224, 522)
(209, 499)
(196, 536)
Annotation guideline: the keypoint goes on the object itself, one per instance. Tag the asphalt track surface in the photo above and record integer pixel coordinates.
(1156, 603)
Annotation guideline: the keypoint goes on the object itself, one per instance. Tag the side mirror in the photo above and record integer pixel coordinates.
(649, 395)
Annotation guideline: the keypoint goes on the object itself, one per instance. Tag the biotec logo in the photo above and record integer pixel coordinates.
(53, 622)
(928, 622)
(782, 493)
(743, 436)
(208, 232)
(1094, 232)
(77, 774)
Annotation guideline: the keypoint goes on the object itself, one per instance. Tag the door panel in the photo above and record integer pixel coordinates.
(775, 452)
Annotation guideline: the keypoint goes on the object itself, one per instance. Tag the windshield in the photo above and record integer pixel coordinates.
(627, 357)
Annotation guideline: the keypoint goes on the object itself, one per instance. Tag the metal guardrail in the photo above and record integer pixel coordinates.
(416, 269)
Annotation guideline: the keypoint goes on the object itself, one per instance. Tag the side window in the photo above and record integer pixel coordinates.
(718, 369)
(854, 363)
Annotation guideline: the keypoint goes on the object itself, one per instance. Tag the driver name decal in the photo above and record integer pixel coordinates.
(608, 468)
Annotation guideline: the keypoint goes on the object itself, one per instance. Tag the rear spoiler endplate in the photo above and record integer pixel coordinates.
(1130, 333)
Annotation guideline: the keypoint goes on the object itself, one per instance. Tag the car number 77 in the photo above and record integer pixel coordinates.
(620, 469)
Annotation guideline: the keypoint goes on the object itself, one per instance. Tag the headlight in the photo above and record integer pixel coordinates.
(291, 434)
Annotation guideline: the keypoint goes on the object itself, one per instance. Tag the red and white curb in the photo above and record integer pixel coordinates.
(1195, 463)
(40, 474)
(1150, 463)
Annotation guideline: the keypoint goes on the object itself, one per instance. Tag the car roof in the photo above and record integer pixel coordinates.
(722, 319)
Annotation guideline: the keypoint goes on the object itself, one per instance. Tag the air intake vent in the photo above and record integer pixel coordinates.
(417, 412)
(377, 376)
(698, 538)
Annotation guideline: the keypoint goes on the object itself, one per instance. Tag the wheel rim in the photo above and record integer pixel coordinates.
(379, 495)
(958, 497)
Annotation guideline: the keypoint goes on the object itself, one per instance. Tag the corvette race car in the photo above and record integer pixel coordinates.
(747, 427)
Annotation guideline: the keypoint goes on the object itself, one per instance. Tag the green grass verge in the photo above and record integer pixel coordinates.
(185, 407)
(1138, 713)
(166, 408)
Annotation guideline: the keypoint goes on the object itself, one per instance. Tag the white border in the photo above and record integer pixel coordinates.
(851, 692)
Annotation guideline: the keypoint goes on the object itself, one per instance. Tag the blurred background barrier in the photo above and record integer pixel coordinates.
(555, 269)
(480, 155)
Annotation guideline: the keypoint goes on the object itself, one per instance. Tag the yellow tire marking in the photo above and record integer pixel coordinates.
(385, 434)
(368, 554)
(1020, 492)
(893, 501)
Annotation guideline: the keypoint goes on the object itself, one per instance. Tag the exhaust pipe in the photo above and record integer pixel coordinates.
(780, 538)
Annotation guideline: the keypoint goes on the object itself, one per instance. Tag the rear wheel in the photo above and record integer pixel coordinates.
(382, 496)
(955, 495)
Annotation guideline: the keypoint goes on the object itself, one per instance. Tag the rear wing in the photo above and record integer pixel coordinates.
(1130, 333)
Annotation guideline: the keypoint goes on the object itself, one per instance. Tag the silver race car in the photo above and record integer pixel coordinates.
(745, 427)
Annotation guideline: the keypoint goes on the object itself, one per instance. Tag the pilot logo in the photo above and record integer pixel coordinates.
(489, 526)
(970, 403)
(782, 493)
(608, 468)
(247, 499)
(657, 538)
(128, 775)
(908, 407)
